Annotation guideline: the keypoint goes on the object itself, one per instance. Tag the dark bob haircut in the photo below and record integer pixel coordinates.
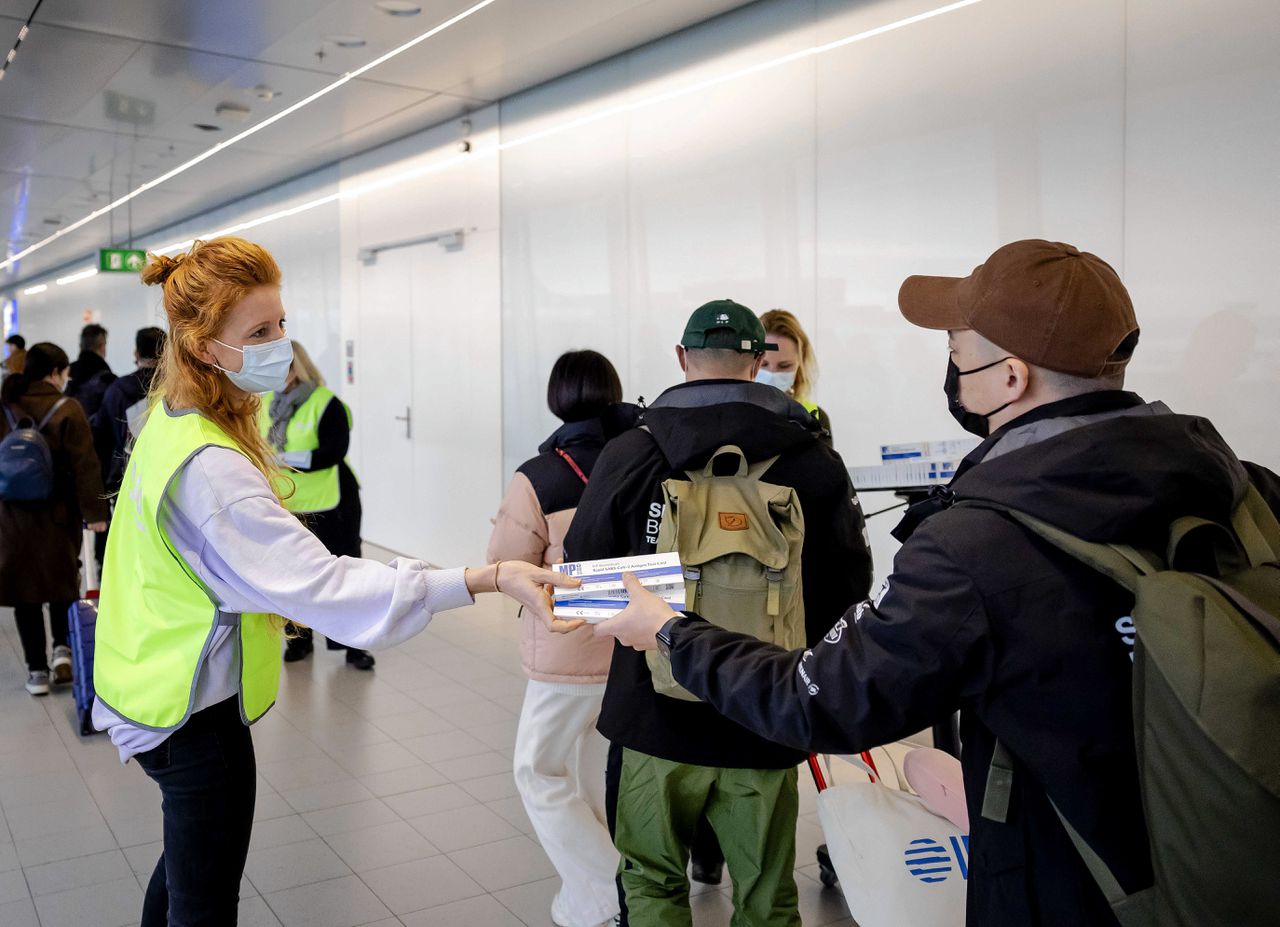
(583, 384)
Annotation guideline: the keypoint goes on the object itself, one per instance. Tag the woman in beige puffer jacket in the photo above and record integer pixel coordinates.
(559, 755)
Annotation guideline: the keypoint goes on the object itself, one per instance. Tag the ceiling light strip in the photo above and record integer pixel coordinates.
(78, 275)
(271, 120)
(604, 113)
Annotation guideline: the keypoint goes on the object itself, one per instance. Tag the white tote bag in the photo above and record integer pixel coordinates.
(899, 864)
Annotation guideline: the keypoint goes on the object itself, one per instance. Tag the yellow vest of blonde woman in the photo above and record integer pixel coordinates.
(316, 490)
(156, 619)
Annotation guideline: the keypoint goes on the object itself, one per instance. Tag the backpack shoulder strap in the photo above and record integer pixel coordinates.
(1257, 528)
(9, 419)
(48, 416)
(759, 468)
(1119, 562)
(995, 807)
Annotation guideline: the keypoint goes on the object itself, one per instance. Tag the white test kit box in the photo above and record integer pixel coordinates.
(602, 595)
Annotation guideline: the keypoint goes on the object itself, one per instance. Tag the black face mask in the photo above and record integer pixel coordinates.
(971, 422)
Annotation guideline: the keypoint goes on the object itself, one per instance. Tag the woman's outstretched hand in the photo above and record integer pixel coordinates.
(527, 584)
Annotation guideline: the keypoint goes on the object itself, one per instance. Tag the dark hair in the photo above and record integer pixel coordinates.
(91, 336)
(583, 384)
(149, 342)
(16, 340)
(42, 359)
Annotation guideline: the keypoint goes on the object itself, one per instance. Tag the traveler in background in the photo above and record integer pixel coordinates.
(15, 356)
(203, 558)
(116, 423)
(309, 428)
(672, 761)
(793, 368)
(90, 373)
(559, 755)
(1033, 647)
(40, 541)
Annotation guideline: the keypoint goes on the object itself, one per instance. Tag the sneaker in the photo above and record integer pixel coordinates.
(360, 659)
(38, 682)
(61, 665)
(560, 919)
(296, 648)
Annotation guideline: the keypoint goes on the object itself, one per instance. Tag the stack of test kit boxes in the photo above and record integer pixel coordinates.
(908, 466)
(602, 595)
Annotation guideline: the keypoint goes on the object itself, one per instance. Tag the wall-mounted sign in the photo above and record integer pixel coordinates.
(121, 259)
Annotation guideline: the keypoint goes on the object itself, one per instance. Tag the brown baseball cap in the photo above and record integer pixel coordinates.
(1046, 302)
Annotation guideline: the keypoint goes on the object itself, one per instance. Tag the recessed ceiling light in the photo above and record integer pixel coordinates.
(398, 7)
(263, 92)
(206, 127)
(346, 41)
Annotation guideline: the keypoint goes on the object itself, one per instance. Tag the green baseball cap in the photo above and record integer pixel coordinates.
(722, 323)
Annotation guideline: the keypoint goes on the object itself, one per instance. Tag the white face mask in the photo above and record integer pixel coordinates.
(265, 366)
(782, 379)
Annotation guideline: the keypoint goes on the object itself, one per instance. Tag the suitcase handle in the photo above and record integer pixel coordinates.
(820, 780)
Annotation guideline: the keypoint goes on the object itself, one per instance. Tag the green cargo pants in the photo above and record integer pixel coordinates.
(753, 812)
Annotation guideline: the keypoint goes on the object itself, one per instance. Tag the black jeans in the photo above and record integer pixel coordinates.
(208, 782)
(35, 645)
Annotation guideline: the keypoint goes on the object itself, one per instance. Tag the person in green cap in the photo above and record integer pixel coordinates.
(674, 762)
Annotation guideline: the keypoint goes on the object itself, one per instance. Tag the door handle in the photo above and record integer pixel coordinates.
(407, 418)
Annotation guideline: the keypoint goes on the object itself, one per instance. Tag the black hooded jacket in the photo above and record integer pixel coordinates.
(1031, 647)
(619, 515)
(88, 379)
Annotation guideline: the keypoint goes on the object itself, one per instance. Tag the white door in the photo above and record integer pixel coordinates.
(457, 399)
(383, 414)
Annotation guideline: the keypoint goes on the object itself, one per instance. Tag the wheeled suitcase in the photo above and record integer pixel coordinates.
(82, 620)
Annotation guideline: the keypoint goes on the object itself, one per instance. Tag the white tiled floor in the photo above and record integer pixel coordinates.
(384, 798)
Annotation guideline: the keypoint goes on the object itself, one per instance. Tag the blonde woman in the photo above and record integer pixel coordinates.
(792, 368)
(309, 428)
(203, 558)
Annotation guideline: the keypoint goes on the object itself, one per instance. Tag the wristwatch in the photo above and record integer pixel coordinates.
(664, 636)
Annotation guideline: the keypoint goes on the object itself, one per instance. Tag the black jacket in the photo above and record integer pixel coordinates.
(981, 616)
(111, 423)
(88, 380)
(619, 515)
(555, 484)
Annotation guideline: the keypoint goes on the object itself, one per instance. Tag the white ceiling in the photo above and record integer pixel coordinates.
(62, 154)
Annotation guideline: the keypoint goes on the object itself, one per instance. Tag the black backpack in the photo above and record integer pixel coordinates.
(26, 463)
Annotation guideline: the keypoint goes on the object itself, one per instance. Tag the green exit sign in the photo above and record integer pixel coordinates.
(121, 259)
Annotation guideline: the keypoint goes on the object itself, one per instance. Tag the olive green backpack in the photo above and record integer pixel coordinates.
(1206, 712)
(739, 540)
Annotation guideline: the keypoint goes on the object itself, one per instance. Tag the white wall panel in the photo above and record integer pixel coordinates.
(938, 142)
(565, 243)
(1202, 230)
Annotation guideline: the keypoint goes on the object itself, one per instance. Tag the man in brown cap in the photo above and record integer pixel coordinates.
(980, 615)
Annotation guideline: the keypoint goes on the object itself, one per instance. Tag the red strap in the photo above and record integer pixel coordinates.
(573, 463)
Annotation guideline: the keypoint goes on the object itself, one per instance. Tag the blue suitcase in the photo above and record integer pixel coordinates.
(82, 621)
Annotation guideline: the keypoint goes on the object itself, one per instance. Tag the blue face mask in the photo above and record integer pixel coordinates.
(265, 367)
(781, 379)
